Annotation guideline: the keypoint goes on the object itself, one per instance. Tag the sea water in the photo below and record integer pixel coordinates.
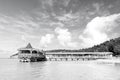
(12, 69)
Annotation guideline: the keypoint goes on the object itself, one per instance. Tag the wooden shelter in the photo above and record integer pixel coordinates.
(30, 54)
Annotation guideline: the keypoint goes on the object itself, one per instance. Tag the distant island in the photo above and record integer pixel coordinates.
(112, 45)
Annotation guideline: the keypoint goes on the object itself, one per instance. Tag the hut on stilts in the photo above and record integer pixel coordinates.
(30, 54)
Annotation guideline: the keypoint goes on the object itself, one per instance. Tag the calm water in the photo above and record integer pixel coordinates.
(12, 69)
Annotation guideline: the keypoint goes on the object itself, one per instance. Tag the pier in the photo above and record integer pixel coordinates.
(77, 56)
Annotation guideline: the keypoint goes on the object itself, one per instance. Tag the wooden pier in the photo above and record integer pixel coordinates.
(77, 56)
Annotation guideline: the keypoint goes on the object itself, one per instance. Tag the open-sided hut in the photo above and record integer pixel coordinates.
(30, 54)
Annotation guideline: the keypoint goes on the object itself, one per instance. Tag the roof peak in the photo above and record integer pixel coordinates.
(29, 46)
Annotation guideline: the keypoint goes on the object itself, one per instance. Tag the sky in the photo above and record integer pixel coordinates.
(57, 24)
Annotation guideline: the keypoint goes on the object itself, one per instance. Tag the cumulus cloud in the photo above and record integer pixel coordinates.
(98, 29)
(64, 37)
(45, 40)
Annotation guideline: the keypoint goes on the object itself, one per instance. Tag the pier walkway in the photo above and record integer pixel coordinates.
(76, 56)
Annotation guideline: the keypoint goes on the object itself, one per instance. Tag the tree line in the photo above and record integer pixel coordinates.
(112, 45)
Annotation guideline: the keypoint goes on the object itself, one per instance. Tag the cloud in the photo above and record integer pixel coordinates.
(67, 17)
(99, 9)
(24, 24)
(23, 38)
(65, 38)
(66, 2)
(97, 6)
(47, 2)
(56, 24)
(98, 29)
(17, 24)
(45, 40)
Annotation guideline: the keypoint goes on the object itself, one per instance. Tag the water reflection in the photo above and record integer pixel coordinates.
(58, 70)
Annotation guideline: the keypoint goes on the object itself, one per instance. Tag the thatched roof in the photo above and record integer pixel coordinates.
(29, 46)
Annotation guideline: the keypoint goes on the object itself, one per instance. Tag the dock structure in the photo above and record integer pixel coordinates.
(77, 56)
(30, 54)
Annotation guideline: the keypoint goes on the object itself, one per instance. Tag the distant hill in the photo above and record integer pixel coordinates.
(112, 45)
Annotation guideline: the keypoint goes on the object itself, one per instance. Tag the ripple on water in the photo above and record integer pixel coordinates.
(58, 70)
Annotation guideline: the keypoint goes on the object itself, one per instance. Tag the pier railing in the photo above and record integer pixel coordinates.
(77, 55)
(28, 55)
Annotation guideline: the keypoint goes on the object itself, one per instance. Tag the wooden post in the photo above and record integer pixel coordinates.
(72, 59)
(55, 57)
(66, 59)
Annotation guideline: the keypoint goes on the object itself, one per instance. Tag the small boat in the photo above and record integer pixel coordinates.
(30, 54)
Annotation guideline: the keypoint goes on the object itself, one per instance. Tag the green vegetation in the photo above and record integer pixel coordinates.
(109, 46)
